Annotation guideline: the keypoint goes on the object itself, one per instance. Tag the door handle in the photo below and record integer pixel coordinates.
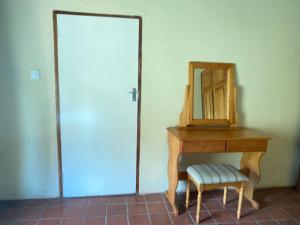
(134, 94)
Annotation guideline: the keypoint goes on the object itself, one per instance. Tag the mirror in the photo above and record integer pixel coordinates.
(210, 94)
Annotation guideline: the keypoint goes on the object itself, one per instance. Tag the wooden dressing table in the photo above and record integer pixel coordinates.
(190, 137)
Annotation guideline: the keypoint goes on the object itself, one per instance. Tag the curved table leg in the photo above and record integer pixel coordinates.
(250, 165)
(174, 152)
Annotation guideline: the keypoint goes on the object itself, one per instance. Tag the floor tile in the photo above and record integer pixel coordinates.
(164, 196)
(54, 212)
(136, 209)
(247, 223)
(295, 200)
(211, 204)
(233, 204)
(153, 198)
(135, 199)
(74, 212)
(57, 202)
(277, 213)
(160, 219)
(116, 199)
(36, 203)
(117, 220)
(25, 223)
(14, 203)
(222, 216)
(193, 206)
(96, 211)
(9, 214)
(6, 222)
(205, 218)
(282, 202)
(97, 201)
(208, 195)
(75, 221)
(169, 207)
(294, 212)
(95, 221)
(246, 216)
(183, 219)
(116, 209)
(267, 223)
(31, 213)
(77, 202)
(49, 222)
(139, 220)
(156, 208)
(261, 215)
(227, 223)
(279, 206)
(288, 222)
(231, 194)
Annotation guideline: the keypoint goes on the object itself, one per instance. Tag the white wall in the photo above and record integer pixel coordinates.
(261, 37)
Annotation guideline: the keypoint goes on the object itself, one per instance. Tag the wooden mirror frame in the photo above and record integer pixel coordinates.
(186, 116)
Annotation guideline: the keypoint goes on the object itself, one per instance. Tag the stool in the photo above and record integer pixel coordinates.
(211, 176)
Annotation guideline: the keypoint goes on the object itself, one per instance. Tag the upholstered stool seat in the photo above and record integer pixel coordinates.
(210, 176)
(215, 174)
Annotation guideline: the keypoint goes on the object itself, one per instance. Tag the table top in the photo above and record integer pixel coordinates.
(211, 134)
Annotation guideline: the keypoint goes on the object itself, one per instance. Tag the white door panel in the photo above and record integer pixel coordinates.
(98, 65)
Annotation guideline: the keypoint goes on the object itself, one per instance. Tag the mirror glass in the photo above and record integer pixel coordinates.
(210, 100)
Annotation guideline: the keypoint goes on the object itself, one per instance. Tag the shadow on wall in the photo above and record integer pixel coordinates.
(286, 168)
(296, 157)
(239, 99)
(10, 157)
(26, 147)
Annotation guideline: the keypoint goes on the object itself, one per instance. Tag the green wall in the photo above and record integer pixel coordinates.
(261, 36)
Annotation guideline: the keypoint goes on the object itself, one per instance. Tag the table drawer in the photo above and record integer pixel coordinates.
(246, 145)
(203, 146)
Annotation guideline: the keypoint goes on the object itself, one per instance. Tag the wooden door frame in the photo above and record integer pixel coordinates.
(57, 98)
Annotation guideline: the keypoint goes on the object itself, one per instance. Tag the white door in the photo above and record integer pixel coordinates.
(98, 65)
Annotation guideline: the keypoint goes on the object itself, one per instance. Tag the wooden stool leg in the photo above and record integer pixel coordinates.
(187, 197)
(199, 202)
(240, 201)
(225, 195)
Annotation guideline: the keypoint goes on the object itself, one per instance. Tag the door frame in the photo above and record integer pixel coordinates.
(57, 98)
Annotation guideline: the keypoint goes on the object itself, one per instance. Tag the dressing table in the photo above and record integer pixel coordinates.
(208, 124)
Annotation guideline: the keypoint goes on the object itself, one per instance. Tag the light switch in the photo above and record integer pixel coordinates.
(35, 74)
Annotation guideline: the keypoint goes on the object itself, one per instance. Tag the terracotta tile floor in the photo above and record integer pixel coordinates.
(278, 207)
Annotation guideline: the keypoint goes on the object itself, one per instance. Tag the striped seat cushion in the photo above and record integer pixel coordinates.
(215, 174)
